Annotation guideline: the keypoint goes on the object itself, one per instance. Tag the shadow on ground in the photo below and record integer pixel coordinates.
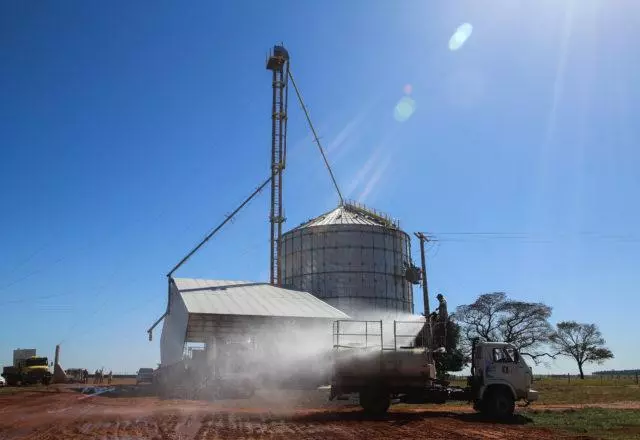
(402, 418)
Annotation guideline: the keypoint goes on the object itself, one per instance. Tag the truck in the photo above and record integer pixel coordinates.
(75, 375)
(404, 371)
(230, 375)
(27, 369)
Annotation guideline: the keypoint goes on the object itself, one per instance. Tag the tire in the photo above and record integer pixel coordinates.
(479, 406)
(375, 402)
(499, 404)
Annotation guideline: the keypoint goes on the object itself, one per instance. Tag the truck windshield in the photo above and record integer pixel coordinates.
(36, 362)
(507, 354)
(511, 354)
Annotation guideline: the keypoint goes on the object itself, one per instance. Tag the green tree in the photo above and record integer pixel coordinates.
(582, 342)
(454, 359)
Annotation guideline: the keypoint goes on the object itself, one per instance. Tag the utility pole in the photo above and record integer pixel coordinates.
(425, 286)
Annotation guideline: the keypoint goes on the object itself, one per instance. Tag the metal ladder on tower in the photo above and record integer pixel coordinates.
(278, 63)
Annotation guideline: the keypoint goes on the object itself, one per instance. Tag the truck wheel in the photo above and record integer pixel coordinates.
(479, 406)
(499, 404)
(375, 402)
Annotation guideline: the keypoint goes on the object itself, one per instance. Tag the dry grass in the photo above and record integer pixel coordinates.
(610, 424)
(591, 390)
(559, 391)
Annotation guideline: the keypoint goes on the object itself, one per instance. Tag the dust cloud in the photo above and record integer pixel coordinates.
(284, 355)
(303, 353)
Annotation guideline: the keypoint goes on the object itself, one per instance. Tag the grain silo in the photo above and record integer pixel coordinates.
(353, 258)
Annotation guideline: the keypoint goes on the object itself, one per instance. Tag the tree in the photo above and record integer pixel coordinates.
(583, 342)
(453, 359)
(493, 317)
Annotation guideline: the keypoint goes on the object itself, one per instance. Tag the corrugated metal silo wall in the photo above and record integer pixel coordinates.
(355, 268)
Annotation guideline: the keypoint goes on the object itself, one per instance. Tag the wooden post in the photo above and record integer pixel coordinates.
(425, 286)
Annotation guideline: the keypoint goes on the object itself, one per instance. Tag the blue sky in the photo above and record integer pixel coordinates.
(128, 130)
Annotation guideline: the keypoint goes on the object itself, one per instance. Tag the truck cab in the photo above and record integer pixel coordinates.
(36, 370)
(31, 370)
(499, 378)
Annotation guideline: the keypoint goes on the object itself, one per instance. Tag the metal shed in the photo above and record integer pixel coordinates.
(201, 311)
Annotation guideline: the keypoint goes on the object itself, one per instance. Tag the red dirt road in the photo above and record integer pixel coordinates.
(71, 415)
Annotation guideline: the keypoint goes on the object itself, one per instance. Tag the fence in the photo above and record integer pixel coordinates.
(602, 379)
(117, 375)
(609, 379)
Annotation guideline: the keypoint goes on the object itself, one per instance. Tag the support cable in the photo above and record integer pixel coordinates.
(317, 140)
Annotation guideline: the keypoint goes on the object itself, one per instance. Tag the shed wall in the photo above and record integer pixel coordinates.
(174, 330)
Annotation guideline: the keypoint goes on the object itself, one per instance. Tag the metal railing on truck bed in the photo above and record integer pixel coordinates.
(370, 335)
(392, 352)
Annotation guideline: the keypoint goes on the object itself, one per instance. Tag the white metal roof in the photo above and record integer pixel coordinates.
(351, 214)
(221, 297)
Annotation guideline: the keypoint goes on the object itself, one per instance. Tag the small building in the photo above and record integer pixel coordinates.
(204, 315)
(20, 354)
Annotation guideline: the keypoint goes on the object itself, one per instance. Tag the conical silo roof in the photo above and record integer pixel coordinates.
(351, 214)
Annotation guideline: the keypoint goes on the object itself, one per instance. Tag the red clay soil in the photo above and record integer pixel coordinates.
(71, 415)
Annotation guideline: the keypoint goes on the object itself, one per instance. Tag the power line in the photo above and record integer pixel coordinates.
(606, 234)
(32, 273)
(115, 232)
(435, 245)
(58, 295)
(480, 233)
(38, 298)
(96, 310)
(28, 258)
(520, 237)
(79, 251)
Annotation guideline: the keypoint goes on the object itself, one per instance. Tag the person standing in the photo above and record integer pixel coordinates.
(443, 314)
(440, 317)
